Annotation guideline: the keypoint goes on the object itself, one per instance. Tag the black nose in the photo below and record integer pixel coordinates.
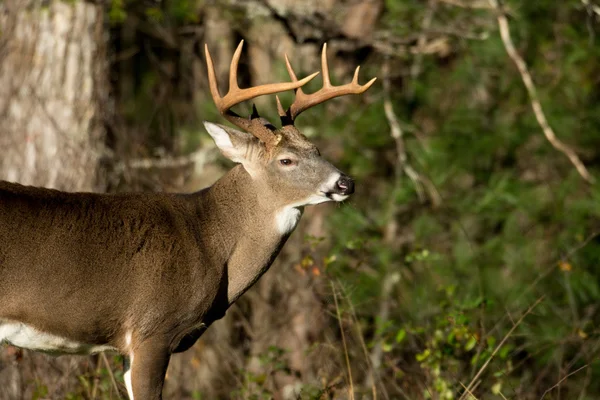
(345, 185)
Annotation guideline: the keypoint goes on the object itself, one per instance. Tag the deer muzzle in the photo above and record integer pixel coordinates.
(344, 185)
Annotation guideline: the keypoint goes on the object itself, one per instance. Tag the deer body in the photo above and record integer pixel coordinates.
(62, 291)
(61, 273)
(145, 274)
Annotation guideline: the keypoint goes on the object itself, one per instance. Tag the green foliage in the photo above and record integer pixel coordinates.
(117, 13)
(516, 221)
(178, 11)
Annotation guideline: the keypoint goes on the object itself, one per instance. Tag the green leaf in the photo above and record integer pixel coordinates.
(422, 356)
(496, 388)
(401, 335)
(470, 343)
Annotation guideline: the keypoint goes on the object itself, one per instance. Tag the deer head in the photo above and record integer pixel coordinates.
(282, 162)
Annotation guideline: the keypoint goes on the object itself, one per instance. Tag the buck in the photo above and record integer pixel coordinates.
(145, 274)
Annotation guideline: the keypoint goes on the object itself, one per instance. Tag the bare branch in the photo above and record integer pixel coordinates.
(499, 346)
(561, 381)
(361, 339)
(110, 374)
(460, 34)
(533, 96)
(339, 318)
(477, 4)
(592, 7)
(470, 392)
(416, 67)
(398, 135)
(199, 157)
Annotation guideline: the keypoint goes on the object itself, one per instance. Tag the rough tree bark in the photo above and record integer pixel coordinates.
(52, 93)
(53, 99)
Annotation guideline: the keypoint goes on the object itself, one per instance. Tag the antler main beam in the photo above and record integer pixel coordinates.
(305, 101)
(235, 95)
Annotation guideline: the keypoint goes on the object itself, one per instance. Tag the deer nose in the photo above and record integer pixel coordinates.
(345, 185)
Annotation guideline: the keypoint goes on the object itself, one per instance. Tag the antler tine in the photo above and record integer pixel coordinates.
(325, 67)
(291, 72)
(303, 101)
(280, 109)
(212, 79)
(233, 67)
(235, 95)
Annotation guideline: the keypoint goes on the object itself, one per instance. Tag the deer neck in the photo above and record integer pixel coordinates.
(249, 229)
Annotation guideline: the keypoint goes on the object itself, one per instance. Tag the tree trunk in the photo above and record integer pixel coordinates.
(53, 102)
(52, 88)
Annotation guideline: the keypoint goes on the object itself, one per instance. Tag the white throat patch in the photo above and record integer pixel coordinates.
(287, 219)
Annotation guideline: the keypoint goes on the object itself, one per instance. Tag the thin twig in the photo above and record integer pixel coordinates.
(586, 383)
(362, 341)
(96, 378)
(402, 159)
(465, 4)
(200, 157)
(533, 96)
(551, 269)
(398, 136)
(417, 65)
(559, 382)
(467, 390)
(484, 366)
(460, 34)
(110, 373)
(339, 318)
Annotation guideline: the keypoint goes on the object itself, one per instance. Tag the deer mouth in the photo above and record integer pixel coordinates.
(337, 197)
(321, 197)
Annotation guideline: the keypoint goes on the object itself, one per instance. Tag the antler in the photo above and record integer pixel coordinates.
(304, 101)
(235, 95)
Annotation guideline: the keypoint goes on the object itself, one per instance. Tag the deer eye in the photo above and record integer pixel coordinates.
(286, 162)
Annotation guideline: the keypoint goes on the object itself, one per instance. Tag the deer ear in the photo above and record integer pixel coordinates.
(232, 143)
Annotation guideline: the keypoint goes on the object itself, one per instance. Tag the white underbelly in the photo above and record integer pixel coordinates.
(22, 335)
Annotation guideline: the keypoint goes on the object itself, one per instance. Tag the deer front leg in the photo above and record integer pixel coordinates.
(145, 370)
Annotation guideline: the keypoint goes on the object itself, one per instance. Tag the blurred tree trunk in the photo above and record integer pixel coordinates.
(53, 96)
(52, 90)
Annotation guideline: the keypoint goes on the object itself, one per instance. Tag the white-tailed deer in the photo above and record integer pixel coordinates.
(145, 274)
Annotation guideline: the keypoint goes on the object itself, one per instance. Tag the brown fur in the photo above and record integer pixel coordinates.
(147, 273)
(90, 266)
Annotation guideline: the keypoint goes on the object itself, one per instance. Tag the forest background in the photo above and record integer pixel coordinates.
(466, 265)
